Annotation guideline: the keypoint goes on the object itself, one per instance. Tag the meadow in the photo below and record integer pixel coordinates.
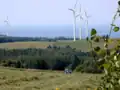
(82, 45)
(29, 79)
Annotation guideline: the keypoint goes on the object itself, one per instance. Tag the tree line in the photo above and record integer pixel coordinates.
(51, 58)
(4, 39)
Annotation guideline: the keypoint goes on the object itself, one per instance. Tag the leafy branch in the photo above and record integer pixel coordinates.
(110, 62)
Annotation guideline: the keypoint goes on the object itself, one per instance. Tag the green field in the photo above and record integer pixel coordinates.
(23, 79)
(82, 45)
(79, 44)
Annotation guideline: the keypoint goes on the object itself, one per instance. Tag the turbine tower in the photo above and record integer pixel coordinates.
(87, 17)
(80, 28)
(74, 17)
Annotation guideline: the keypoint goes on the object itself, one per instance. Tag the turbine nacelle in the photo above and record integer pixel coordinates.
(81, 17)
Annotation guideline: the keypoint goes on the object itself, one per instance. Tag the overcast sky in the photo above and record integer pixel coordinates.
(52, 12)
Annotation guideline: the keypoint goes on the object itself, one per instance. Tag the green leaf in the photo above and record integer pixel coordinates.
(117, 64)
(101, 61)
(118, 2)
(118, 46)
(105, 45)
(109, 85)
(93, 32)
(119, 81)
(97, 48)
(112, 52)
(116, 29)
(115, 57)
(92, 37)
(96, 39)
(113, 24)
(106, 66)
(106, 72)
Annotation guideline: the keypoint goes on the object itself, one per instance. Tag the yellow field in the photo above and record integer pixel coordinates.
(16, 79)
(25, 45)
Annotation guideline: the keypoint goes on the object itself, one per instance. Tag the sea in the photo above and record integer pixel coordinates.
(52, 31)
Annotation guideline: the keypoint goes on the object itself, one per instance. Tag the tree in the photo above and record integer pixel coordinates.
(75, 61)
(18, 64)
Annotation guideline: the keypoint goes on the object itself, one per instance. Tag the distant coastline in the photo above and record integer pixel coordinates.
(52, 31)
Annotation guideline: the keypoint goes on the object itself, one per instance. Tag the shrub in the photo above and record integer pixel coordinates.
(79, 68)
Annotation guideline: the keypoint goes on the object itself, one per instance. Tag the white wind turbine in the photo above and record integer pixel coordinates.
(87, 17)
(7, 23)
(80, 28)
(74, 17)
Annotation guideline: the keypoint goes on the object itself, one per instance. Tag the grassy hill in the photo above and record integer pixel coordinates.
(23, 79)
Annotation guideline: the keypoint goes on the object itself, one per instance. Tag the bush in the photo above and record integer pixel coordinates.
(18, 64)
(75, 61)
(78, 68)
(91, 70)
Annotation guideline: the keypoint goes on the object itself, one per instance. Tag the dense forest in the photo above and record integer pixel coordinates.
(52, 58)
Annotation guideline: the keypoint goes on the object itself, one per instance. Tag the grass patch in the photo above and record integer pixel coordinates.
(45, 80)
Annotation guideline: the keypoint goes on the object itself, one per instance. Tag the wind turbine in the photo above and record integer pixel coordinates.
(7, 22)
(74, 17)
(81, 18)
(87, 17)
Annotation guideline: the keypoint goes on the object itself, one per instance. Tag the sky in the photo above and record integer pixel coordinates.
(54, 12)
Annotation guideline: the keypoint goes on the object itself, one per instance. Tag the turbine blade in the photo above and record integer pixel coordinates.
(77, 15)
(87, 15)
(7, 23)
(75, 4)
(71, 10)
